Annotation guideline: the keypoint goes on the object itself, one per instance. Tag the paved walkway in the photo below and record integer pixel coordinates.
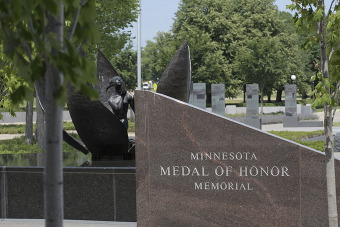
(67, 223)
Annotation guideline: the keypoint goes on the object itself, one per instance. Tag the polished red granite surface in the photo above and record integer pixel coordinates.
(195, 168)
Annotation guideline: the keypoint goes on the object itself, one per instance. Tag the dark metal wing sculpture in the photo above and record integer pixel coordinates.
(99, 129)
(105, 71)
(176, 78)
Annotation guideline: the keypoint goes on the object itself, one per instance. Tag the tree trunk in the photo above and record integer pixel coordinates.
(330, 168)
(269, 98)
(40, 126)
(262, 88)
(53, 175)
(279, 95)
(328, 122)
(244, 93)
(29, 123)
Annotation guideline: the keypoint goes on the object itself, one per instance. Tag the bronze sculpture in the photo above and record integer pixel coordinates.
(100, 130)
(102, 124)
(120, 99)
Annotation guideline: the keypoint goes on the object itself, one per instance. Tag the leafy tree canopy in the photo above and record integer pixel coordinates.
(113, 17)
(25, 39)
(229, 40)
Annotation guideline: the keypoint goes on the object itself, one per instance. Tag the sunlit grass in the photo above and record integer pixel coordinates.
(298, 136)
(20, 128)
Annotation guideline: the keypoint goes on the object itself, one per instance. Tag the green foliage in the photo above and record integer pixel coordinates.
(10, 85)
(296, 136)
(19, 146)
(125, 62)
(13, 129)
(156, 55)
(131, 127)
(20, 128)
(317, 145)
(113, 17)
(322, 23)
(233, 42)
(27, 42)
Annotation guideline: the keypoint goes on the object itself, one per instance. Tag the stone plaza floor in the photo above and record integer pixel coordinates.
(67, 223)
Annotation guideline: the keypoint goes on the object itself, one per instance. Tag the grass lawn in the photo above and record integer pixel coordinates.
(298, 136)
(20, 128)
(18, 145)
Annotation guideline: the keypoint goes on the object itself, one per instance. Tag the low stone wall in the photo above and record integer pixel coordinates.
(232, 109)
(90, 193)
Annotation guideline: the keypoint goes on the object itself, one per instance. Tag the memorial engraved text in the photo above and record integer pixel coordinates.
(224, 170)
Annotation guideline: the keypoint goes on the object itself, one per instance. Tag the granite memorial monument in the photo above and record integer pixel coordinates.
(218, 99)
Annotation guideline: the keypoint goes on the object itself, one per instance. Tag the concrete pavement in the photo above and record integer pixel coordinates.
(67, 223)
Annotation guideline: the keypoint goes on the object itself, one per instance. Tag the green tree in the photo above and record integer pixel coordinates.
(113, 17)
(297, 61)
(9, 84)
(29, 123)
(32, 34)
(156, 55)
(260, 62)
(126, 64)
(203, 24)
(324, 23)
(218, 33)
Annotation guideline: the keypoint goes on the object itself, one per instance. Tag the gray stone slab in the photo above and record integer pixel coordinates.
(254, 122)
(252, 99)
(291, 118)
(230, 109)
(252, 111)
(310, 123)
(290, 121)
(217, 98)
(306, 110)
(90, 193)
(290, 100)
(199, 98)
(198, 169)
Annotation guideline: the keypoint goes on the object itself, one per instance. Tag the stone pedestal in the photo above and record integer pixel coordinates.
(198, 96)
(290, 121)
(252, 98)
(291, 118)
(217, 99)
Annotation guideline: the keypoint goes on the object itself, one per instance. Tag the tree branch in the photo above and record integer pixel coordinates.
(332, 51)
(330, 8)
(75, 20)
(336, 97)
(31, 26)
(27, 49)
